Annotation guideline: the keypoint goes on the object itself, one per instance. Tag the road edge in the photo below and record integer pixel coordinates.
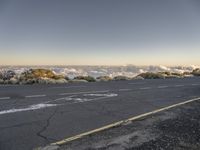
(55, 145)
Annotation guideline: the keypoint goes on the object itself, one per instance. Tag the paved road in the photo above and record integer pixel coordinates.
(177, 128)
(36, 115)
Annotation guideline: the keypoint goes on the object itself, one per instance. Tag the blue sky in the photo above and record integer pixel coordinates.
(99, 32)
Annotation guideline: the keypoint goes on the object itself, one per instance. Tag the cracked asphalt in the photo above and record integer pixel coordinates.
(34, 116)
(174, 129)
(39, 133)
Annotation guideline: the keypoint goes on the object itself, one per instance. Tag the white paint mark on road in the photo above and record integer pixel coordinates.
(69, 98)
(179, 85)
(102, 95)
(32, 107)
(94, 99)
(195, 84)
(50, 104)
(4, 98)
(124, 89)
(162, 87)
(34, 96)
(84, 92)
(84, 99)
(145, 88)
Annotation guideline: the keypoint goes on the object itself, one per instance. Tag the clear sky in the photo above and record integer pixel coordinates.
(99, 32)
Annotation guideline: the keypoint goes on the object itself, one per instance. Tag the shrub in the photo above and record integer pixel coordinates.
(196, 72)
(40, 73)
(138, 78)
(66, 78)
(151, 75)
(7, 75)
(119, 78)
(87, 78)
(1, 81)
(167, 73)
(104, 78)
(1, 75)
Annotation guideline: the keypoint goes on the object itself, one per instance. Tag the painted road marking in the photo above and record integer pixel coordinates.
(50, 104)
(145, 88)
(94, 99)
(120, 123)
(32, 107)
(179, 85)
(102, 95)
(4, 98)
(80, 100)
(84, 92)
(124, 89)
(34, 96)
(195, 84)
(162, 87)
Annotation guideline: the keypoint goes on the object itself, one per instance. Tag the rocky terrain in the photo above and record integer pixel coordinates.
(48, 76)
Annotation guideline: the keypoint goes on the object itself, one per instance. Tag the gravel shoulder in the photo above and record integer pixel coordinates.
(174, 129)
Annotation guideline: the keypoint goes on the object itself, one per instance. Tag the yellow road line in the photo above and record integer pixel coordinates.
(121, 122)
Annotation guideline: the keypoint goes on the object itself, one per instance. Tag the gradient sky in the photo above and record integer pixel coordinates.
(99, 32)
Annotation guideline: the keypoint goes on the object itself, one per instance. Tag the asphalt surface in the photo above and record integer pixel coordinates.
(36, 115)
(177, 128)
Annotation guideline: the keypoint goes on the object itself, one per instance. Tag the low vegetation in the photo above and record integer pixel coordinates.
(40, 73)
(121, 78)
(196, 72)
(87, 78)
(150, 75)
(165, 75)
(32, 76)
(46, 76)
(104, 78)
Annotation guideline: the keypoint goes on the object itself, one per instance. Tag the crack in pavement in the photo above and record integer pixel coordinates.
(39, 133)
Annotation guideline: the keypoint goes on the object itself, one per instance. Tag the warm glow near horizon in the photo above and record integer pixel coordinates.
(100, 33)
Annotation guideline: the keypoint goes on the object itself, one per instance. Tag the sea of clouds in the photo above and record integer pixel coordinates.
(95, 71)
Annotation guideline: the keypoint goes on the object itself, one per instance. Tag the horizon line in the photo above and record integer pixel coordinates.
(98, 65)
